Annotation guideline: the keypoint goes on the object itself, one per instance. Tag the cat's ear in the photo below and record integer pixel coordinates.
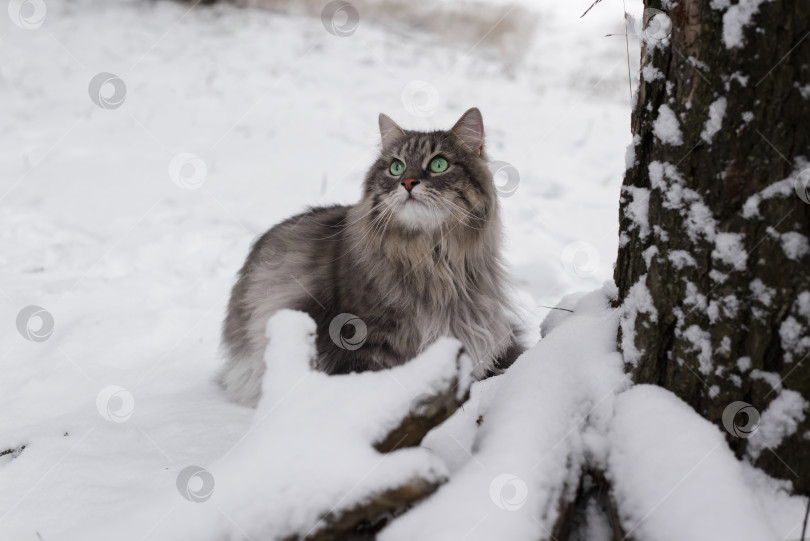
(470, 129)
(389, 131)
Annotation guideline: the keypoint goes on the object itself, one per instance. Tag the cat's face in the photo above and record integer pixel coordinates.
(431, 180)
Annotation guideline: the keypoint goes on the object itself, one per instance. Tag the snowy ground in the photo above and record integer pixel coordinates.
(135, 269)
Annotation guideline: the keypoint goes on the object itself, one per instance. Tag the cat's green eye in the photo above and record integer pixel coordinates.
(397, 168)
(438, 165)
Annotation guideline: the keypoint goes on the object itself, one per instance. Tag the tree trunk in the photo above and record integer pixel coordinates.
(713, 267)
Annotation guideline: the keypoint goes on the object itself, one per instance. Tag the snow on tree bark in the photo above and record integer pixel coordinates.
(720, 312)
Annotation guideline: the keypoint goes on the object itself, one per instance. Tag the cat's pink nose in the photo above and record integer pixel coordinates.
(409, 183)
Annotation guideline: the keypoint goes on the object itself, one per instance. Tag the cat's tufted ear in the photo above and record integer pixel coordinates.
(470, 129)
(389, 131)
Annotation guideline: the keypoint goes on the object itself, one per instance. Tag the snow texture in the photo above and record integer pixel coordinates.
(795, 245)
(700, 343)
(803, 304)
(648, 254)
(666, 126)
(794, 337)
(781, 188)
(761, 292)
(698, 218)
(677, 478)
(308, 451)
(729, 248)
(717, 110)
(630, 152)
(771, 378)
(547, 413)
(136, 270)
(651, 73)
(681, 259)
(638, 209)
(779, 420)
(638, 301)
(725, 307)
(736, 19)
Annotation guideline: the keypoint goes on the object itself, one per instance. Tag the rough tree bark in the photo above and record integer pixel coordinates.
(713, 267)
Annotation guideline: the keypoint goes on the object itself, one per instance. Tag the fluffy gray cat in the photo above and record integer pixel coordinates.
(418, 257)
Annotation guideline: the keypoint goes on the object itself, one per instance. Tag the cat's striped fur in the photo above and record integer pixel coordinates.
(412, 265)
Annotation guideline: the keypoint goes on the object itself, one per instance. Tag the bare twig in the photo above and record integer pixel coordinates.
(591, 7)
(555, 308)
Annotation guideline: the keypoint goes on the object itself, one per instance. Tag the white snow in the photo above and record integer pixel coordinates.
(717, 276)
(638, 209)
(717, 110)
(648, 254)
(781, 188)
(761, 292)
(638, 301)
(693, 297)
(597, 524)
(129, 224)
(725, 346)
(698, 218)
(677, 477)
(779, 420)
(795, 245)
(651, 73)
(739, 78)
(666, 126)
(701, 343)
(794, 337)
(771, 378)
(736, 19)
(310, 440)
(744, 364)
(630, 152)
(681, 259)
(555, 408)
(724, 307)
(729, 248)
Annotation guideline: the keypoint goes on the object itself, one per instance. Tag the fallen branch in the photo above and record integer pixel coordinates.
(427, 412)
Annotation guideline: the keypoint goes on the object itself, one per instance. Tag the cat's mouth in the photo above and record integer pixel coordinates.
(415, 213)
